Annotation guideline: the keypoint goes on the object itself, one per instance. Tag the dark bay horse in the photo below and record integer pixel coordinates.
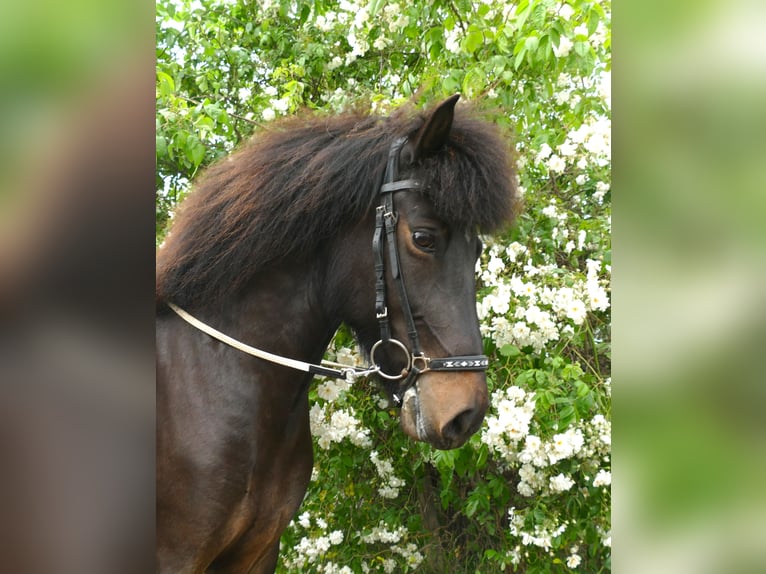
(369, 221)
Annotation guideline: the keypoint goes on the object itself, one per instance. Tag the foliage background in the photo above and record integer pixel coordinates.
(531, 491)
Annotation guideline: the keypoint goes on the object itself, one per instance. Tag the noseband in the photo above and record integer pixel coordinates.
(416, 362)
(386, 219)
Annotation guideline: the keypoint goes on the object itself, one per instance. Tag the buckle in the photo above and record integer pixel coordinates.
(426, 362)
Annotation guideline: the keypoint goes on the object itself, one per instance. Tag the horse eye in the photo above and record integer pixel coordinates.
(424, 239)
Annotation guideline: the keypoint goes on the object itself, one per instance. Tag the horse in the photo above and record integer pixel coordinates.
(373, 222)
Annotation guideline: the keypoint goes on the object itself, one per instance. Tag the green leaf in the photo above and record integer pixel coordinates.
(509, 350)
(531, 43)
(375, 6)
(567, 415)
(167, 85)
(473, 40)
(474, 82)
(161, 145)
(520, 56)
(305, 12)
(522, 13)
(582, 389)
(593, 19)
(471, 507)
(581, 48)
(195, 150)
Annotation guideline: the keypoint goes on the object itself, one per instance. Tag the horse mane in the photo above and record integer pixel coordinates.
(307, 179)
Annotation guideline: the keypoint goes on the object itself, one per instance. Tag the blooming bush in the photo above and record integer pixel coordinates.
(530, 491)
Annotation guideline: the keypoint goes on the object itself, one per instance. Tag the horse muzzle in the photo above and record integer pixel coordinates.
(445, 409)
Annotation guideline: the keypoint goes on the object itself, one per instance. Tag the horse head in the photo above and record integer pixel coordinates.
(424, 334)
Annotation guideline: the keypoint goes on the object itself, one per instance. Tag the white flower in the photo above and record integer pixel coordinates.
(574, 561)
(244, 94)
(545, 151)
(520, 332)
(603, 478)
(557, 164)
(597, 297)
(567, 149)
(533, 452)
(564, 47)
(524, 489)
(280, 105)
(336, 62)
(336, 537)
(581, 235)
(534, 315)
(566, 11)
(268, 114)
(495, 265)
(550, 211)
(576, 311)
(560, 483)
(328, 391)
(514, 250)
(324, 23)
(304, 520)
(564, 445)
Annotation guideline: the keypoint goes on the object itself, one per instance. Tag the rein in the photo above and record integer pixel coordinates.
(386, 219)
(340, 372)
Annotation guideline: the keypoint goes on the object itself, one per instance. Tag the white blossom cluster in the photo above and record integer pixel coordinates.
(541, 536)
(507, 433)
(529, 309)
(394, 536)
(390, 484)
(515, 410)
(582, 448)
(330, 422)
(355, 20)
(590, 143)
(312, 549)
(333, 425)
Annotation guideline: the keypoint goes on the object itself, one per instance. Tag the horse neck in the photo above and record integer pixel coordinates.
(281, 311)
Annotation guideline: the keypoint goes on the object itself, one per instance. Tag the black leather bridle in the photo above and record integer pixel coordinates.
(386, 219)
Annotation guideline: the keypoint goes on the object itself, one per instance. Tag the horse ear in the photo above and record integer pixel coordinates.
(434, 134)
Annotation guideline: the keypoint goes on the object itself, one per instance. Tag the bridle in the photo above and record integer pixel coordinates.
(416, 362)
(386, 220)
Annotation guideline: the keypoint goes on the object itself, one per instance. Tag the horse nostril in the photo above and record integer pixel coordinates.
(462, 426)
